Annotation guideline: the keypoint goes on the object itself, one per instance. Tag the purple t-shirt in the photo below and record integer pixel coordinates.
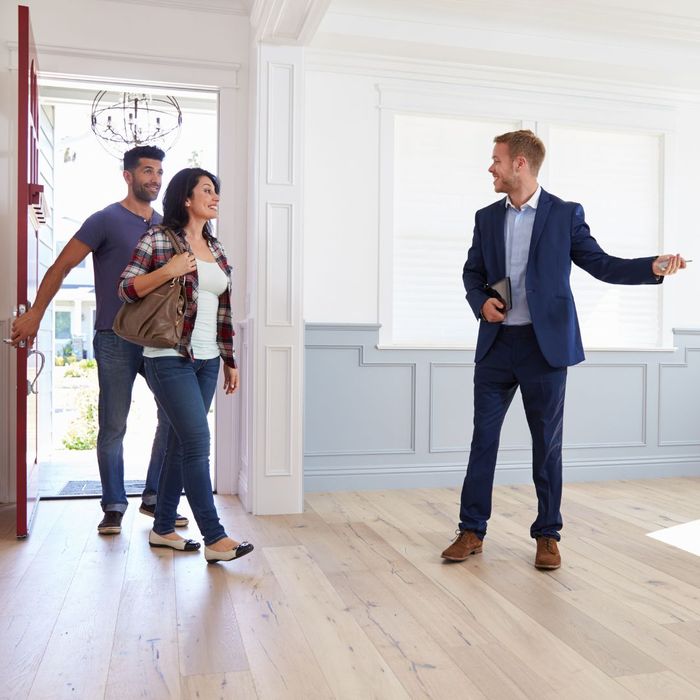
(112, 235)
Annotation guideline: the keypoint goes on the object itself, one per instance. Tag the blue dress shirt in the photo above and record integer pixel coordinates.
(518, 233)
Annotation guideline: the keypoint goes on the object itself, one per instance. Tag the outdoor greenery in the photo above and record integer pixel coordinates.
(82, 432)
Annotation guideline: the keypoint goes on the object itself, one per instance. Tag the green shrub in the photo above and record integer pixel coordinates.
(59, 361)
(87, 364)
(74, 372)
(82, 434)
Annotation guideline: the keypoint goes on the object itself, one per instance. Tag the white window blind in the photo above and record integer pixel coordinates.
(616, 176)
(440, 180)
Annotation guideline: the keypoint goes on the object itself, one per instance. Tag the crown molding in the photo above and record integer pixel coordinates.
(639, 20)
(442, 74)
(287, 21)
(220, 7)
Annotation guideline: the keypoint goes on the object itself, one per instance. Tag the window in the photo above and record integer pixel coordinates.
(617, 178)
(440, 179)
(62, 321)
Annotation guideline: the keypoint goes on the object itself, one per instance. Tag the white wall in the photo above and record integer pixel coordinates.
(341, 198)
(344, 146)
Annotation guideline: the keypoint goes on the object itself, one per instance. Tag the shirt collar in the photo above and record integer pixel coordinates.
(532, 202)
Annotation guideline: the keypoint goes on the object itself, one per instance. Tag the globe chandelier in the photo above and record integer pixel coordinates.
(131, 119)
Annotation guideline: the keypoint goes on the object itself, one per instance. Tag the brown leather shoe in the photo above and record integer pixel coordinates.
(548, 556)
(467, 542)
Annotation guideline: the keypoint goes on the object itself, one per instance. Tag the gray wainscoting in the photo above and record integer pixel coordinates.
(397, 418)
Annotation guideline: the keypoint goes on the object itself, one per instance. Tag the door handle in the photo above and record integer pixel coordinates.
(21, 309)
(31, 386)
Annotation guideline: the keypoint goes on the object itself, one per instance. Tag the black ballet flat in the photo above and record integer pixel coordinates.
(213, 556)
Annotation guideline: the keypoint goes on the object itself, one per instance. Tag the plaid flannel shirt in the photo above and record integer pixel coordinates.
(153, 250)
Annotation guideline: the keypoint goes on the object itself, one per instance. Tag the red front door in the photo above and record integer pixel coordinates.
(29, 217)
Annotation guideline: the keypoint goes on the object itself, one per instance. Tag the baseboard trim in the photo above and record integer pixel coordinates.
(384, 476)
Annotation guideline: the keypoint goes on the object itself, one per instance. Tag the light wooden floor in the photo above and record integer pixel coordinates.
(351, 600)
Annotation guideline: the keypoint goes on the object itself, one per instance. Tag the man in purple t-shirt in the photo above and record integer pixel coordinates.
(111, 236)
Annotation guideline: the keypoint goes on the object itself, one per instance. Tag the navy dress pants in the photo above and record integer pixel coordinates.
(515, 360)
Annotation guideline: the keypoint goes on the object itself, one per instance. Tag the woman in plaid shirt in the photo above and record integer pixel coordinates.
(183, 379)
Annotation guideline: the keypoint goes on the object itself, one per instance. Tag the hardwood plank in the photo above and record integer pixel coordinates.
(632, 509)
(646, 588)
(417, 660)
(280, 657)
(690, 631)
(251, 579)
(145, 563)
(351, 664)
(567, 672)
(664, 685)
(144, 658)
(76, 660)
(332, 551)
(17, 555)
(674, 652)
(275, 646)
(341, 507)
(209, 640)
(616, 533)
(394, 507)
(237, 685)
(526, 589)
(23, 639)
(436, 611)
(499, 673)
(32, 602)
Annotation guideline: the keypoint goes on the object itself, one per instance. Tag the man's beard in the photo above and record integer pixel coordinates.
(144, 194)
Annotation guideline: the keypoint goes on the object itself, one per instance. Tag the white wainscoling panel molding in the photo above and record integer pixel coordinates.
(369, 402)
(278, 410)
(611, 409)
(280, 124)
(279, 264)
(246, 380)
(679, 401)
(452, 411)
(606, 405)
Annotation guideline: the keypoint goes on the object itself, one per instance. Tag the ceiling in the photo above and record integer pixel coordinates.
(638, 41)
(673, 19)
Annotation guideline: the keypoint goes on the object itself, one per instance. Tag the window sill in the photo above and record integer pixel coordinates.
(418, 346)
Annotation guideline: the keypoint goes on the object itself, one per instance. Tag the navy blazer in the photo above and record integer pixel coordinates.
(560, 236)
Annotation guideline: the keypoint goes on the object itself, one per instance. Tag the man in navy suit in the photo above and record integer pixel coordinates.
(532, 237)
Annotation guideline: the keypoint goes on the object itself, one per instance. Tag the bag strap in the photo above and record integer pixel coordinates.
(178, 248)
(173, 239)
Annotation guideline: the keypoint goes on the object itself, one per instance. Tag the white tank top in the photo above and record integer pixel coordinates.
(212, 283)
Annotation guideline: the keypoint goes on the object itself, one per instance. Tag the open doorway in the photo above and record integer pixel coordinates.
(81, 177)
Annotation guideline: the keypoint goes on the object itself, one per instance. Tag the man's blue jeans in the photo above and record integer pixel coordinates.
(118, 363)
(184, 390)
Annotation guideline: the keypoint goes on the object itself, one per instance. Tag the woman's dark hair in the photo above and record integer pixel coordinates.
(179, 189)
